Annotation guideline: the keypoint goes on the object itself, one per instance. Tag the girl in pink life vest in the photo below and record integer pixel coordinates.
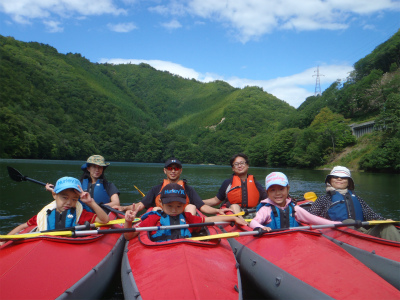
(278, 210)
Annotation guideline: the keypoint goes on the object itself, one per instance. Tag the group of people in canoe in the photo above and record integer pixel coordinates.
(175, 202)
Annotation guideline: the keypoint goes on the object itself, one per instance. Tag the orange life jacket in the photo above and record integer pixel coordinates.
(235, 194)
(165, 182)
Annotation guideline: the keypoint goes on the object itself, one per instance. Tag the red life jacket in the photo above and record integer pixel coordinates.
(235, 194)
(165, 182)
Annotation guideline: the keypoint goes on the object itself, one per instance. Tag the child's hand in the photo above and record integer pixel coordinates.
(240, 221)
(130, 216)
(266, 228)
(85, 196)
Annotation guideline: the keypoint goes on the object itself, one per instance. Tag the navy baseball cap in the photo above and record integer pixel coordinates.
(173, 192)
(172, 161)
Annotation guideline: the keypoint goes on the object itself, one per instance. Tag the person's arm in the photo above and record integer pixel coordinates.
(320, 206)
(114, 201)
(304, 216)
(15, 230)
(130, 215)
(213, 211)
(227, 218)
(263, 216)
(101, 216)
(212, 201)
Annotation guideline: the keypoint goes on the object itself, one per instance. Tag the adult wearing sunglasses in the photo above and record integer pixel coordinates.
(173, 171)
(340, 203)
(241, 190)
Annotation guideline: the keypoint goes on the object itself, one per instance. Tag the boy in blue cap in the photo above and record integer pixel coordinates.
(173, 199)
(66, 211)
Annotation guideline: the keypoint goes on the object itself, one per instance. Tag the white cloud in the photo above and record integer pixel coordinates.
(293, 89)
(157, 64)
(22, 11)
(122, 27)
(174, 24)
(251, 19)
(53, 26)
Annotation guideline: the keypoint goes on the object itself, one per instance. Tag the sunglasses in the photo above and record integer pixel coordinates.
(173, 168)
(337, 177)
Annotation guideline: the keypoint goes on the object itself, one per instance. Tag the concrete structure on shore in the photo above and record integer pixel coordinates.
(360, 129)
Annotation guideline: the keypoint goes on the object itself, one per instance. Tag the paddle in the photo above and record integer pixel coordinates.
(310, 196)
(17, 176)
(141, 193)
(93, 225)
(107, 231)
(261, 232)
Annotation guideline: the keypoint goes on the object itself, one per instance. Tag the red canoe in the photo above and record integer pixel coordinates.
(59, 267)
(296, 264)
(179, 269)
(380, 255)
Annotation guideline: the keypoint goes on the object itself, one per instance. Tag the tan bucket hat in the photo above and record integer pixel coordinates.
(95, 160)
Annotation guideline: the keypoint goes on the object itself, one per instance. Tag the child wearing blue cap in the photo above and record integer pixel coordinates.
(173, 199)
(66, 211)
(278, 210)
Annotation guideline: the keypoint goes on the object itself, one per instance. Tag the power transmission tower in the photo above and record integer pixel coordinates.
(317, 83)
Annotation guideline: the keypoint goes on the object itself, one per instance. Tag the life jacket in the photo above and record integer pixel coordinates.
(55, 220)
(165, 182)
(166, 220)
(345, 207)
(46, 218)
(98, 193)
(245, 194)
(281, 218)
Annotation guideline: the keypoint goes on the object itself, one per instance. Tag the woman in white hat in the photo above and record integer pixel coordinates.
(94, 182)
(340, 203)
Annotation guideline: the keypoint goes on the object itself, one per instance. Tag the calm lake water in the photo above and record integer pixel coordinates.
(19, 201)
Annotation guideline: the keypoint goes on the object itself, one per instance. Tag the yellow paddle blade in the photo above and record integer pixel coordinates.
(118, 221)
(141, 193)
(376, 222)
(310, 196)
(215, 236)
(30, 235)
(235, 215)
(248, 220)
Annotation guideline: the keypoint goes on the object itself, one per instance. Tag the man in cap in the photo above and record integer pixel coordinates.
(173, 171)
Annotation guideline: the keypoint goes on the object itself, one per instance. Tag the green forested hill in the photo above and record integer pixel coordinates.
(56, 106)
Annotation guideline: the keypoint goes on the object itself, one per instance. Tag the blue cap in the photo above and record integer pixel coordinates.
(277, 178)
(67, 183)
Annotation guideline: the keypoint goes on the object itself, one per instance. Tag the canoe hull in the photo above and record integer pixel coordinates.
(179, 269)
(59, 267)
(305, 265)
(381, 256)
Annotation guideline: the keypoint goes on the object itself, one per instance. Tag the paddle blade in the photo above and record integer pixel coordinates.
(215, 236)
(113, 222)
(35, 234)
(377, 222)
(310, 196)
(15, 174)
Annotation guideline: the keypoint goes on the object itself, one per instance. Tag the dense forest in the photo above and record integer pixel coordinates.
(62, 106)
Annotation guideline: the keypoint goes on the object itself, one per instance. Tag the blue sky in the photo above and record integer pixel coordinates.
(274, 44)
